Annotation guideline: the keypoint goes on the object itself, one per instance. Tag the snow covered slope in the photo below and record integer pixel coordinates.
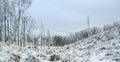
(103, 47)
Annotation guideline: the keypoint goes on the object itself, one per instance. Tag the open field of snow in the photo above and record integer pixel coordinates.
(103, 47)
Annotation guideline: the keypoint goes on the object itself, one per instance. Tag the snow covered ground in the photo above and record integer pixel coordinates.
(103, 47)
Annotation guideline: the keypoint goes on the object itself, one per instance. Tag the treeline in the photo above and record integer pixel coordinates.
(59, 40)
(77, 36)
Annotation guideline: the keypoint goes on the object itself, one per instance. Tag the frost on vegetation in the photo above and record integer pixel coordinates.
(54, 57)
(14, 58)
(31, 59)
(103, 47)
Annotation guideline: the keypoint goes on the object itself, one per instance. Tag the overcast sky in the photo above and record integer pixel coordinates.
(70, 15)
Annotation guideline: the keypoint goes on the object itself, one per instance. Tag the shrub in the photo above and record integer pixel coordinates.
(116, 24)
(31, 59)
(107, 27)
(95, 30)
(58, 41)
(54, 57)
(14, 58)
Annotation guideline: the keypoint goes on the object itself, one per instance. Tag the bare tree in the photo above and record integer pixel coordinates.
(1, 19)
(13, 20)
(5, 3)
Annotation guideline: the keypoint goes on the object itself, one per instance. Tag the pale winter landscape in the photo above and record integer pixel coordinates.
(59, 31)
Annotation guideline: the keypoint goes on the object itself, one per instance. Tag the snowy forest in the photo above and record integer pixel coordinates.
(18, 43)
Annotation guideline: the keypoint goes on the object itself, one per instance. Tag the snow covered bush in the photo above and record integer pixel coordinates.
(116, 24)
(84, 34)
(32, 59)
(58, 41)
(95, 30)
(107, 27)
(54, 57)
(14, 58)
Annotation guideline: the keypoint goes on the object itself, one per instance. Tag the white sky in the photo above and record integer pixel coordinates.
(70, 15)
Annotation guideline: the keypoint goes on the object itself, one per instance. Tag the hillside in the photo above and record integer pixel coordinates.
(102, 47)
